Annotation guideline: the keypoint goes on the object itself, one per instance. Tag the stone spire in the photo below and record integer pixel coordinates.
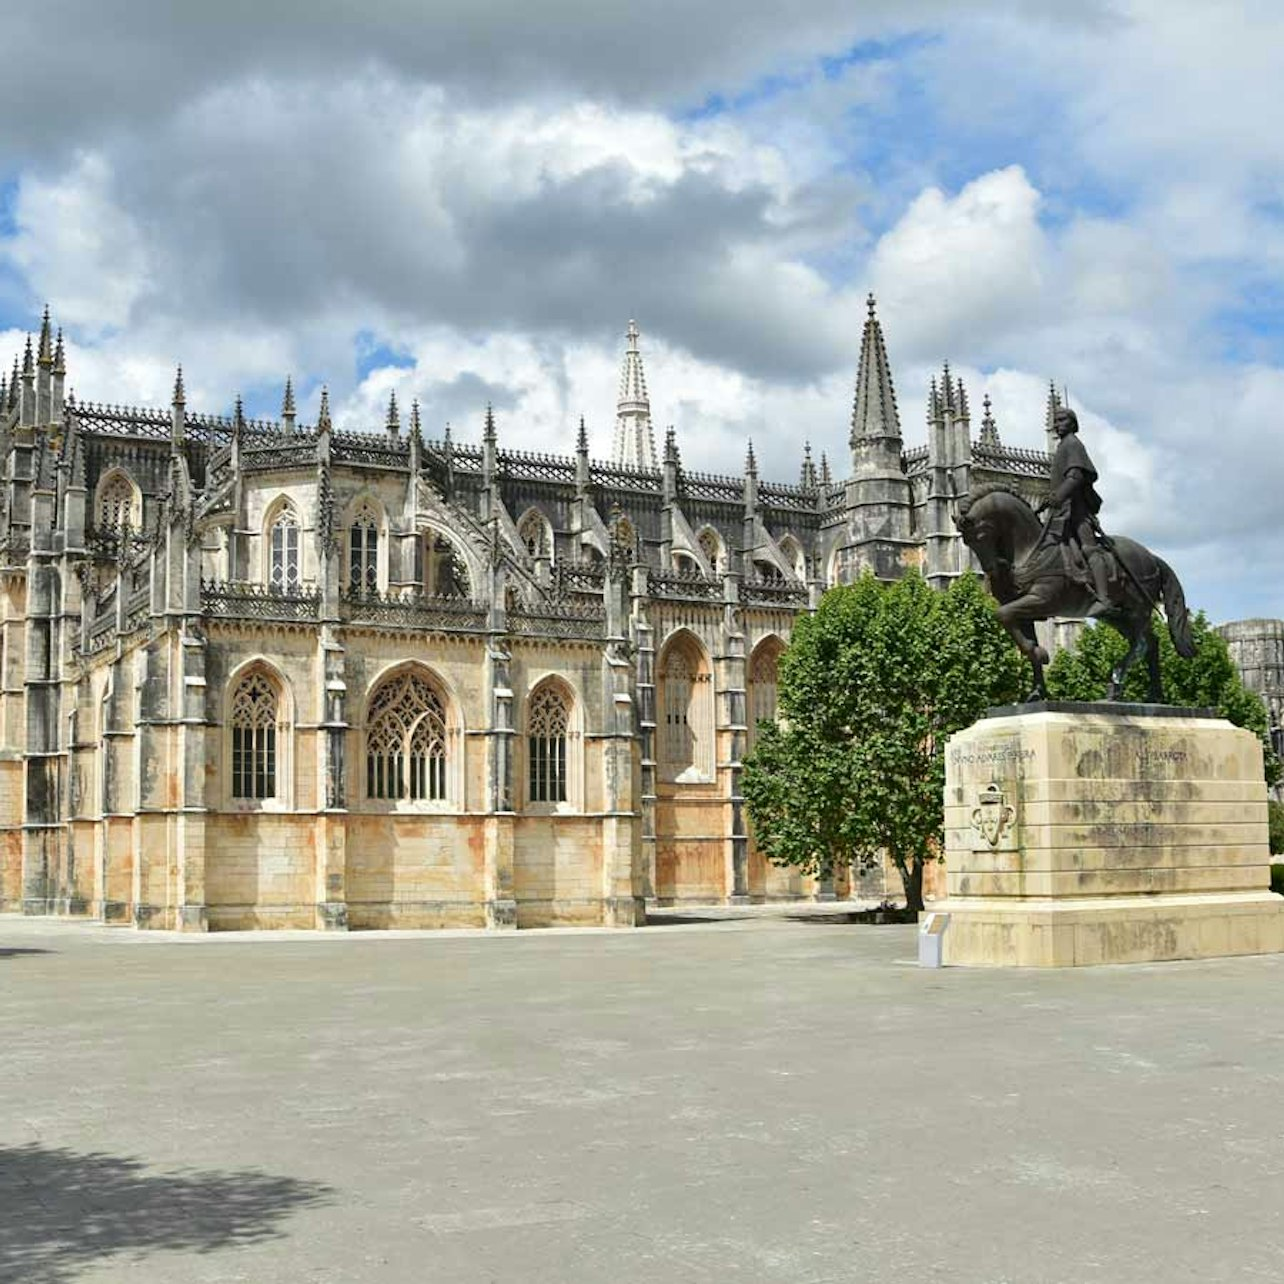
(874, 412)
(393, 424)
(671, 446)
(751, 461)
(288, 409)
(178, 409)
(989, 429)
(60, 355)
(807, 477)
(1050, 414)
(581, 438)
(826, 478)
(416, 425)
(323, 411)
(634, 439)
(45, 356)
(13, 384)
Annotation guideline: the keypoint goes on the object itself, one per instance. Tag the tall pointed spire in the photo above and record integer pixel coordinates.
(45, 355)
(581, 438)
(180, 397)
(826, 478)
(807, 476)
(751, 460)
(634, 438)
(1050, 414)
(13, 384)
(416, 426)
(288, 408)
(874, 412)
(393, 424)
(488, 433)
(989, 429)
(60, 355)
(323, 411)
(28, 365)
(961, 400)
(947, 389)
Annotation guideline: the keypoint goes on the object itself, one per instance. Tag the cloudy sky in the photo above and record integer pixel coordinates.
(467, 201)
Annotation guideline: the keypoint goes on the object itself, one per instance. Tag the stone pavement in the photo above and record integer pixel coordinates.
(761, 1099)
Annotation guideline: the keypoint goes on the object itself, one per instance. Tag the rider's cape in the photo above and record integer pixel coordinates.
(1072, 454)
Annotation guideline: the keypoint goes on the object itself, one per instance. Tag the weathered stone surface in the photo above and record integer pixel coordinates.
(1098, 834)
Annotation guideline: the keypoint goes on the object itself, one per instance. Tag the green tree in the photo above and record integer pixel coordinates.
(1209, 680)
(870, 688)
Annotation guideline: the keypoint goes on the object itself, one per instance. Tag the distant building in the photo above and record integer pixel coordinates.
(282, 674)
(1257, 648)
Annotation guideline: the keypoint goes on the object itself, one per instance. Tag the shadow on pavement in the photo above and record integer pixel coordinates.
(64, 1211)
(8, 951)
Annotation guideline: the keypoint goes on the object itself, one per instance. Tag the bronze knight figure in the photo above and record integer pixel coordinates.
(1067, 566)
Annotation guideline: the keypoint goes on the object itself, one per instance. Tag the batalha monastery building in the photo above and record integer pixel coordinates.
(277, 674)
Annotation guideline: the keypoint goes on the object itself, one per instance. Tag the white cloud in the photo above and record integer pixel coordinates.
(973, 263)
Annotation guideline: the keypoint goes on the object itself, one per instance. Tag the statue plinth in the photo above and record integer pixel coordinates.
(1106, 833)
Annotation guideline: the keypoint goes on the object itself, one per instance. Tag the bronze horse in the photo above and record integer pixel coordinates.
(1031, 580)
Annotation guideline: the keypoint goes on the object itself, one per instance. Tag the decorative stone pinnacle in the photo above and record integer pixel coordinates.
(180, 397)
(60, 355)
(287, 399)
(323, 411)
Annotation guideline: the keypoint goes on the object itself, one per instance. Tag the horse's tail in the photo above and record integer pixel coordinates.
(1175, 611)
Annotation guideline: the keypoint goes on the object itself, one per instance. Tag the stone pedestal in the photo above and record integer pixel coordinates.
(1102, 833)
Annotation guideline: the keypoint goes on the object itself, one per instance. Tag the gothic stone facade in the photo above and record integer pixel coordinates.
(275, 674)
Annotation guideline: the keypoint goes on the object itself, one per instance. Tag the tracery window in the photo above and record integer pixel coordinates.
(438, 567)
(254, 727)
(406, 741)
(534, 534)
(711, 547)
(763, 676)
(363, 552)
(284, 571)
(686, 713)
(116, 503)
(547, 724)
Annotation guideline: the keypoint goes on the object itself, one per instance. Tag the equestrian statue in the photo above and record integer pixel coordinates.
(1067, 566)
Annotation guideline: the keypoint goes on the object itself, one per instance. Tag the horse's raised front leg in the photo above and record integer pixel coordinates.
(1018, 617)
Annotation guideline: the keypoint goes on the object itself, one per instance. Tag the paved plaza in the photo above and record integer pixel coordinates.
(767, 1099)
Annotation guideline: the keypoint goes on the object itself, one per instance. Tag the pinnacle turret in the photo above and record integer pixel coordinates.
(45, 355)
(288, 410)
(323, 411)
(488, 433)
(826, 479)
(807, 476)
(989, 429)
(751, 461)
(180, 397)
(874, 412)
(60, 355)
(416, 426)
(1050, 415)
(393, 424)
(28, 365)
(581, 438)
(671, 455)
(634, 438)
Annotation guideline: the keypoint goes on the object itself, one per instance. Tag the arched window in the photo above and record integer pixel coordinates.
(438, 567)
(686, 712)
(711, 547)
(406, 741)
(283, 571)
(363, 551)
(547, 723)
(793, 554)
(116, 507)
(763, 673)
(534, 532)
(254, 727)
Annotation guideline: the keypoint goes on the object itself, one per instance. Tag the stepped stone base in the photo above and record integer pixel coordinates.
(1106, 834)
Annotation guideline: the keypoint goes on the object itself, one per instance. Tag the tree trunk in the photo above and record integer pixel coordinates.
(912, 880)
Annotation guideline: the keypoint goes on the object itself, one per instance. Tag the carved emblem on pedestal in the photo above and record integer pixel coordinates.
(993, 814)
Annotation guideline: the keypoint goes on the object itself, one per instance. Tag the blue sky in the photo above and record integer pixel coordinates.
(467, 206)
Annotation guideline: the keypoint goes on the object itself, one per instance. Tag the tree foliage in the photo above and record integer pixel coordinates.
(1210, 680)
(870, 688)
